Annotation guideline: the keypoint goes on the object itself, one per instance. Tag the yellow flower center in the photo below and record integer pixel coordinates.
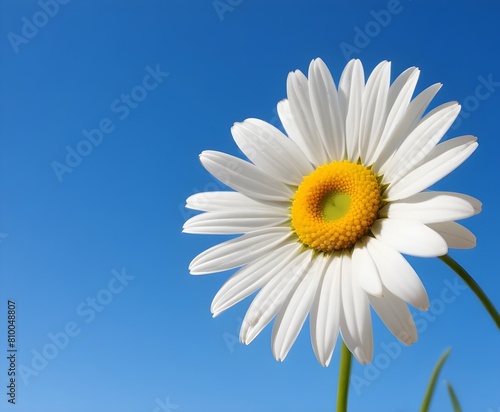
(335, 206)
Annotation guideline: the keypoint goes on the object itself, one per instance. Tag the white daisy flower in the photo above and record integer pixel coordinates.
(327, 212)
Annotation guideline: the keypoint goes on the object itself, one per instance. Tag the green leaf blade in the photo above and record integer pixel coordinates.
(432, 382)
(453, 397)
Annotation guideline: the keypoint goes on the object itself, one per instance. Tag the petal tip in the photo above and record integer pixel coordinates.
(425, 307)
(359, 353)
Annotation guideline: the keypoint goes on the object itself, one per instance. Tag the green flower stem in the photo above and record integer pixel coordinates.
(432, 383)
(344, 376)
(460, 271)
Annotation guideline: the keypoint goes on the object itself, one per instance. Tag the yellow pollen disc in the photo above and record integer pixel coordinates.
(335, 206)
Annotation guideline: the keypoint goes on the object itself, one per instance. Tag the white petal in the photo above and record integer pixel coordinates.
(397, 274)
(288, 122)
(421, 141)
(457, 236)
(238, 252)
(308, 137)
(271, 150)
(355, 319)
(432, 207)
(374, 110)
(234, 221)
(244, 177)
(269, 300)
(431, 171)
(407, 123)
(399, 97)
(410, 237)
(398, 100)
(326, 110)
(253, 276)
(396, 316)
(419, 105)
(222, 201)
(447, 145)
(400, 93)
(365, 271)
(350, 94)
(293, 314)
(325, 312)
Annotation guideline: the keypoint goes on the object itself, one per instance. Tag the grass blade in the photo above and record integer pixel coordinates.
(432, 383)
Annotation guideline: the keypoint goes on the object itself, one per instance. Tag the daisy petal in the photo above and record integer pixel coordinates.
(418, 106)
(293, 314)
(396, 316)
(234, 221)
(432, 207)
(271, 151)
(397, 274)
(457, 236)
(252, 277)
(431, 171)
(410, 237)
(308, 137)
(286, 119)
(421, 141)
(229, 255)
(400, 94)
(222, 201)
(365, 271)
(244, 177)
(325, 312)
(447, 145)
(374, 110)
(270, 299)
(407, 123)
(398, 99)
(350, 94)
(326, 110)
(355, 319)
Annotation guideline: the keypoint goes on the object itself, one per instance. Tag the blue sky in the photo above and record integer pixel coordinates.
(108, 318)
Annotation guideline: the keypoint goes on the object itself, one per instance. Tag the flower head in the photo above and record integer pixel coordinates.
(326, 212)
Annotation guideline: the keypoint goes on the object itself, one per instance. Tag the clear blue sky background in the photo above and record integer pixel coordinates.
(150, 340)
